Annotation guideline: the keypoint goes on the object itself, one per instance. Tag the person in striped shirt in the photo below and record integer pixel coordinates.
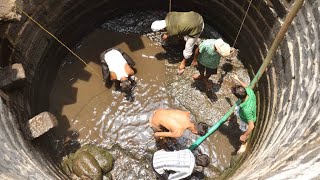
(179, 164)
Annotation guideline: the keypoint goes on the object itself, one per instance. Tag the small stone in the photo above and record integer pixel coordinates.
(7, 11)
(107, 176)
(40, 124)
(12, 76)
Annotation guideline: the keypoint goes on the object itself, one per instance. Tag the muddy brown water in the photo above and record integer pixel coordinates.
(88, 112)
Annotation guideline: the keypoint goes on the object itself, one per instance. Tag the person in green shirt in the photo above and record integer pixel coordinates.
(246, 111)
(187, 24)
(207, 58)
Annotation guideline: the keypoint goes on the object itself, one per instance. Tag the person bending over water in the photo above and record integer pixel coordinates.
(187, 24)
(117, 67)
(179, 164)
(175, 122)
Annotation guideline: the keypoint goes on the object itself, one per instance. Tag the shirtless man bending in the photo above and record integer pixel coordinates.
(175, 121)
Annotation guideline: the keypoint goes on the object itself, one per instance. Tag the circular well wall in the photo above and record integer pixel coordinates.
(286, 137)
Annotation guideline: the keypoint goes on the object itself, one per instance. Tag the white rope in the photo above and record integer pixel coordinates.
(242, 24)
(53, 36)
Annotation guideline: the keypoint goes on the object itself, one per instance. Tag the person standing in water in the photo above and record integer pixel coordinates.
(117, 67)
(207, 58)
(187, 24)
(246, 111)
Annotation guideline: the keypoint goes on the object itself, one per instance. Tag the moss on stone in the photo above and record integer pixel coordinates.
(85, 165)
(103, 157)
(88, 162)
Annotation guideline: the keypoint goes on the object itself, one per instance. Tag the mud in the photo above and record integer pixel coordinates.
(88, 112)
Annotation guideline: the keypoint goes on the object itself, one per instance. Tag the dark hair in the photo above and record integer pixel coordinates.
(202, 160)
(239, 92)
(126, 86)
(202, 128)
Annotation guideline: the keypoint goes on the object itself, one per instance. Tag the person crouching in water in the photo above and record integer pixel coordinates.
(175, 165)
(117, 67)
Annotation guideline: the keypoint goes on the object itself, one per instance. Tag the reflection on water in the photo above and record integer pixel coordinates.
(88, 112)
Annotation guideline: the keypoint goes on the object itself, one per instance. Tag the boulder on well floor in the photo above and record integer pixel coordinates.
(90, 162)
(40, 124)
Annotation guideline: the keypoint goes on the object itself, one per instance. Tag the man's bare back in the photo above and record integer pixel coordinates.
(175, 121)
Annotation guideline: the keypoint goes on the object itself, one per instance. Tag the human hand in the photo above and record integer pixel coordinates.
(164, 36)
(194, 63)
(235, 77)
(233, 53)
(157, 137)
(243, 138)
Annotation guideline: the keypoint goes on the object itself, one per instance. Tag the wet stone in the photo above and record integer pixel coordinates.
(103, 157)
(7, 11)
(90, 162)
(86, 166)
(12, 76)
(40, 124)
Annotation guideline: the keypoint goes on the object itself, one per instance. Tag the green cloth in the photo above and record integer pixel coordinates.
(184, 23)
(248, 109)
(208, 56)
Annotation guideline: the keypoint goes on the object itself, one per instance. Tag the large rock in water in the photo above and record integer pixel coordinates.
(86, 166)
(88, 162)
(103, 157)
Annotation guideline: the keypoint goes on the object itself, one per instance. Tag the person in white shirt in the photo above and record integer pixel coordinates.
(180, 163)
(117, 67)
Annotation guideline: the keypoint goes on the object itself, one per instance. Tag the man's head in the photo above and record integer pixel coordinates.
(202, 128)
(222, 47)
(202, 160)
(158, 25)
(239, 92)
(125, 85)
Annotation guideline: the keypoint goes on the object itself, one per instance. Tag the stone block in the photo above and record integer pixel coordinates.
(7, 11)
(40, 124)
(12, 76)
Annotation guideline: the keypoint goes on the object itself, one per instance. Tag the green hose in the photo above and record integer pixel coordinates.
(214, 127)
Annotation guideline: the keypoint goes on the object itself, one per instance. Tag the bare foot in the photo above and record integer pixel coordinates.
(242, 148)
(197, 76)
(180, 71)
(182, 67)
